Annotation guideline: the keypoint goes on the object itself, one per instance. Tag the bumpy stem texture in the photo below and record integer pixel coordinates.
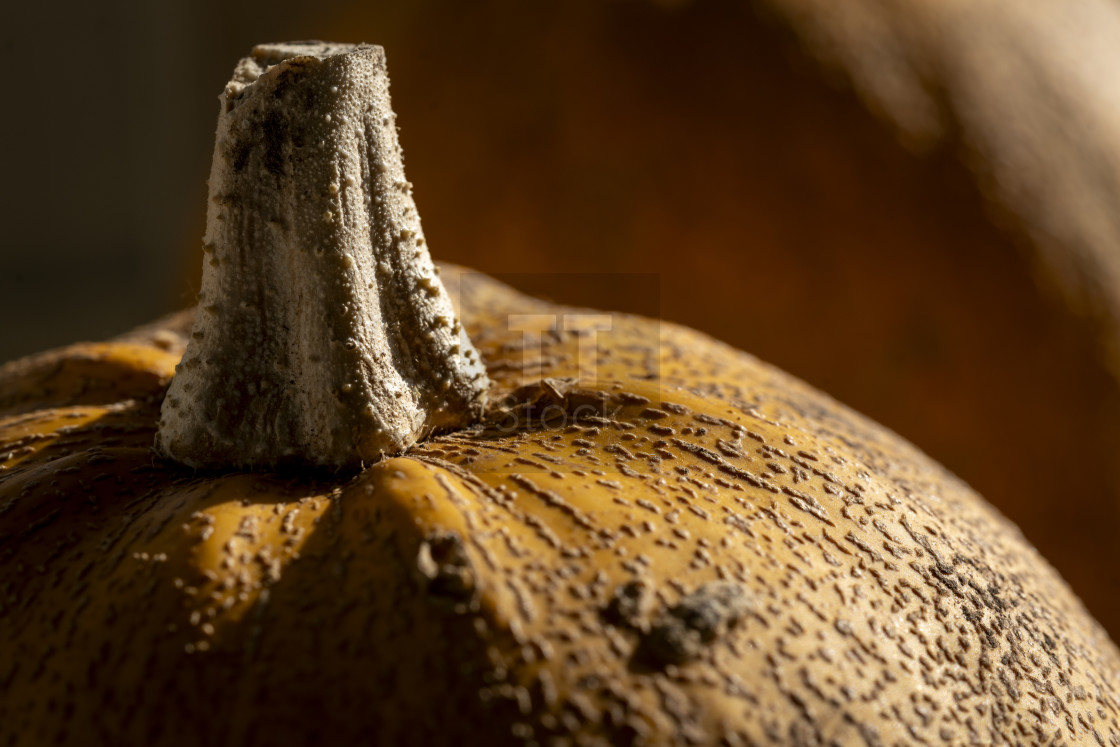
(324, 335)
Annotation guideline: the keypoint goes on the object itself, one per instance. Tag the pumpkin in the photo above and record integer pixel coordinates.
(522, 578)
(646, 536)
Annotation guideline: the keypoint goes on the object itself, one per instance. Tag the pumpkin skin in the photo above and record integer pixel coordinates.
(515, 581)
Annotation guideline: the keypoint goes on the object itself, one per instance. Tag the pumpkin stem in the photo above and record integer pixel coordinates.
(324, 336)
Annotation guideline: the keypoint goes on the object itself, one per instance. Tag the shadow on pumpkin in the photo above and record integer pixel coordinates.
(154, 605)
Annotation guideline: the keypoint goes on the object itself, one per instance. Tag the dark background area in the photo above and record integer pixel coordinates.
(109, 118)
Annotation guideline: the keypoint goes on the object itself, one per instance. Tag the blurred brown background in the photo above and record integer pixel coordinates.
(109, 119)
(691, 139)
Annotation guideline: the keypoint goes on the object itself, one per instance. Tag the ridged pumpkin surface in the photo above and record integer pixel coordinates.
(653, 537)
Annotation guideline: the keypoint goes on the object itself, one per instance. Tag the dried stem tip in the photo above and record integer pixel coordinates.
(324, 336)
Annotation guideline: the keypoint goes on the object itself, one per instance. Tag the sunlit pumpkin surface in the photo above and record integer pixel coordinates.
(652, 538)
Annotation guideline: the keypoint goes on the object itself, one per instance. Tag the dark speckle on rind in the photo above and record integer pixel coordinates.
(682, 632)
(445, 568)
(629, 605)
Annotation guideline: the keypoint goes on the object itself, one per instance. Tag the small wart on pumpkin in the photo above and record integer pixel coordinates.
(682, 632)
